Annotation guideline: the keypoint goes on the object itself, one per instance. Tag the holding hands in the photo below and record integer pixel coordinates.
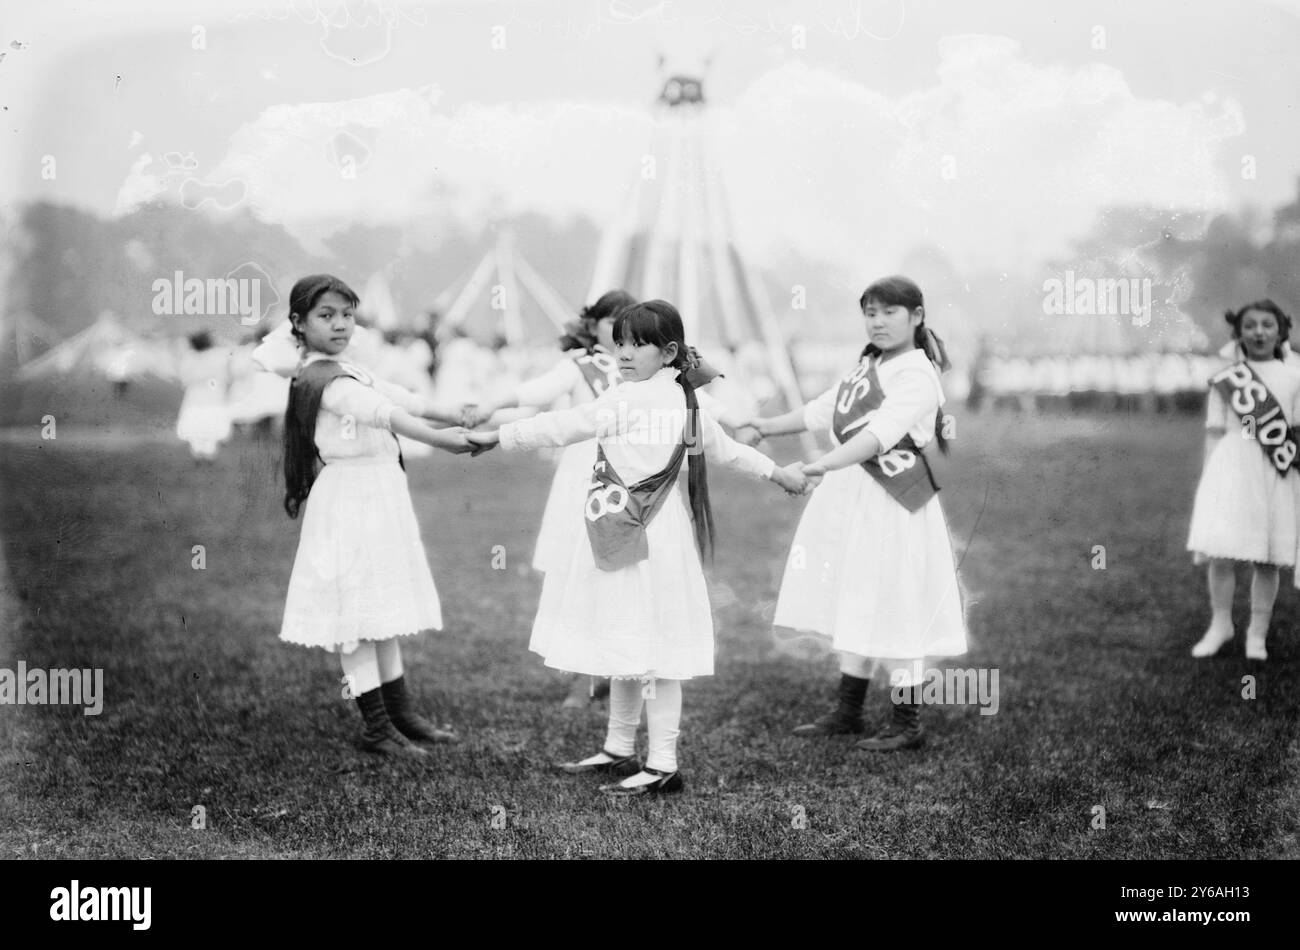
(459, 441)
(791, 478)
(815, 472)
(484, 441)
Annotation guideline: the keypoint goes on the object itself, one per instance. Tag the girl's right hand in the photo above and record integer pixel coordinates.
(483, 441)
(456, 440)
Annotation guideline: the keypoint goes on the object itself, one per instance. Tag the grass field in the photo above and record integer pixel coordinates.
(1100, 704)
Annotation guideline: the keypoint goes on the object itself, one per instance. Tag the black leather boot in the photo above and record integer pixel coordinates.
(904, 729)
(381, 736)
(846, 719)
(408, 722)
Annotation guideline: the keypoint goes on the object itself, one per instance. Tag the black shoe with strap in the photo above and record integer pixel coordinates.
(381, 736)
(846, 718)
(617, 765)
(665, 783)
(407, 721)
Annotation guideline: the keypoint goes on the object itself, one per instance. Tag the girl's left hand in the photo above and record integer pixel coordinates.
(814, 475)
(748, 434)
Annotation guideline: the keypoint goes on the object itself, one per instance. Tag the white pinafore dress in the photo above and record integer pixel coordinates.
(361, 572)
(569, 487)
(1244, 511)
(878, 580)
(652, 618)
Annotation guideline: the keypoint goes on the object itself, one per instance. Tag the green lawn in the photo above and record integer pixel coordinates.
(1100, 703)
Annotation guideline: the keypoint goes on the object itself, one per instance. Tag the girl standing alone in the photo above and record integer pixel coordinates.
(872, 565)
(361, 577)
(1245, 507)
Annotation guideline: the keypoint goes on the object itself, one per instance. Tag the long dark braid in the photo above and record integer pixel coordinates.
(299, 441)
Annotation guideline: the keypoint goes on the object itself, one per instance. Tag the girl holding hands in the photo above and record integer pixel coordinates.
(361, 577)
(628, 599)
(871, 565)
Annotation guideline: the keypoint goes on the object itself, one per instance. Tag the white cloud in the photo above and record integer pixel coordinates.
(999, 161)
(1000, 157)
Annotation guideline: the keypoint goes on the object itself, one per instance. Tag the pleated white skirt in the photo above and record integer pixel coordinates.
(361, 572)
(565, 504)
(877, 579)
(1243, 510)
(651, 619)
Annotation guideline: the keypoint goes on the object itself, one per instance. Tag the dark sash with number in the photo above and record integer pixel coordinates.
(617, 515)
(903, 471)
(599, 370)
(1259, 410)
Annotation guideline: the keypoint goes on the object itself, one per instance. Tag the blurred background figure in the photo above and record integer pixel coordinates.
(204, 420)
(256, 399)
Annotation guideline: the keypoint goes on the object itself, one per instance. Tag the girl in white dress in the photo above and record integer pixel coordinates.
(361, 577)
(871, 565)
(573, 382)
(628, 599)
(204, 421)
(1246, 502)
(581, 378)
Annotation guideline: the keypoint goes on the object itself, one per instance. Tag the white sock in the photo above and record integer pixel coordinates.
(389, 654)
(624, 716)
(664, 718)
(1223, 584)
(361, 669)
(1263, 591)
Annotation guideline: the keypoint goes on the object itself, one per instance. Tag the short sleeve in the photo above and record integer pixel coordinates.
(819, 414)
(912, 397)
(345, 396)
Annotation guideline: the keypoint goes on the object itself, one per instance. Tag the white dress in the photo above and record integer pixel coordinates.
(879, 580)
(651, 618)
(361, 572)
(203, 420)
(568, 493)
(573, 472)
(1244, 511)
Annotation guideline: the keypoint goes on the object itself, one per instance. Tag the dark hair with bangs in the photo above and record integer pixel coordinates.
(308, 291)
(900, 291)
(658, 323)
(299, 444)
(580, 334)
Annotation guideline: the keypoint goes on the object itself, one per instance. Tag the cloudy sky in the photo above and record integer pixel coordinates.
(847, 131)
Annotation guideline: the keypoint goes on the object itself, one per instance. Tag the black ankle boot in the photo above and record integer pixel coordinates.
(847, 717)
(408, 722)
(904, 730)
(381, 736)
